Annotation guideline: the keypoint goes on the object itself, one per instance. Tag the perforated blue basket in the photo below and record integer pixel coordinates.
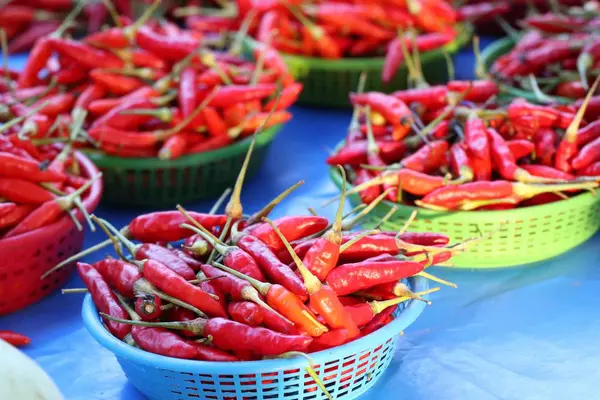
(347, 371)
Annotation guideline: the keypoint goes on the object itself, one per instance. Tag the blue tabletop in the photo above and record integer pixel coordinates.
(519, 333)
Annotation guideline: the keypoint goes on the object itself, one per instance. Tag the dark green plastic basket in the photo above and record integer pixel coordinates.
(150, 182)
(523, 235)
(328, 82)
(496, 50)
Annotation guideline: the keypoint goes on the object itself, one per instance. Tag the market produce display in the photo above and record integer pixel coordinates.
(26, 21)
(257, 287)
(555, 58)
(335, 30)
(155, 90)
(171, 99)
(472, 153)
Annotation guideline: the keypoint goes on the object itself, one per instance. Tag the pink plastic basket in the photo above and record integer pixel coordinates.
(26, 257)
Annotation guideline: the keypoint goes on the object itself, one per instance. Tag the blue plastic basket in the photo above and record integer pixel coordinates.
(347, 371)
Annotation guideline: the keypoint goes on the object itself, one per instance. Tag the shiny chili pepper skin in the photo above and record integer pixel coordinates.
(327, 304)
(163, 342)
(333, 338)
(245, 312)
(15, 339)
(276, 323)
(23, 192)
(15, 167)
(355, 153)
(428, 158)
(164, 226)
(291, 307)
(592, 170)
(119, 275)
(174, 285)
(209, 353)
(85, 55)
(227, 283)
(432, 98)
(104, 299)
(148, 307)
(546, 171)
(292, 228)
(269, 263)
(588, 133)
(394, 110)
(230, 335)
(350, 278)
(588, 155)
(150, 251)
(378, 321)
(14, 217)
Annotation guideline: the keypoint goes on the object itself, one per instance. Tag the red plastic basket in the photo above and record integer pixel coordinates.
(26, 257)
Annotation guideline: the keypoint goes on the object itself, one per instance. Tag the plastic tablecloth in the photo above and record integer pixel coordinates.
(523, 333)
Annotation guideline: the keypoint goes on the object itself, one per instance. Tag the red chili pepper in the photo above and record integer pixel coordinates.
(333, 338)
(567, 149)
(475, 91)
(119, 275)
(148, 307)
(547, 172)
(432, 98)
(245, 312)
(428, 158)
(209, 353)
(424, 42)
(114, 83)
(163, 342)
(23, 192)
(394, 110)
(104, 299)
(520, 148)
(292, 228)
(26, 39)
(169, 47)
(355, 153)
(460, 164)
(87, 56)
(164, 226)
(15, 339)
(592, 170)
(174, 285)
(350, 278)
(13, 218)
(181, 314)
(459, 196)
(288, 96)
(15, 167)
(48, 212)
(588, 133)
(279, 272)
(378, 321)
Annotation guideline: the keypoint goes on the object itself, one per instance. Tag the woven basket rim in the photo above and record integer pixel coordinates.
(406, 317)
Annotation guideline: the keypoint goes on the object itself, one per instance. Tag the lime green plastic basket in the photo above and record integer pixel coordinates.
(496, 50)
(328, 82)
(523, 235)
(150, 182)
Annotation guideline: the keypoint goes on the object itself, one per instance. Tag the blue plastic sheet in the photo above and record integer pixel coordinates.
(520, 333)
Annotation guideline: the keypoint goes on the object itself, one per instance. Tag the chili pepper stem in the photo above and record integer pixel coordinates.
(573, 129)
(409, 221)
(123, 301)
(195, 326)
(131, 247)
(73, 291)
(266, 210)
(116, 242)
(144, 286)
(348, 225)
(310, 370)
(312, 283)
(197, 226)
(236, 46)
(436, 279)
(402, 290)
(81, 254)
(386, 217)
(234, 206)
(251, 294)
(219, 202)
(222, 238)
(130, 31)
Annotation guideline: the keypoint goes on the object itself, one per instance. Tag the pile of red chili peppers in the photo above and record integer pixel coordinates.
(26, 21)
(557, 54)
(453, 147)
(337, 29)
(232, 287)
(38, 185)
(146, 89)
